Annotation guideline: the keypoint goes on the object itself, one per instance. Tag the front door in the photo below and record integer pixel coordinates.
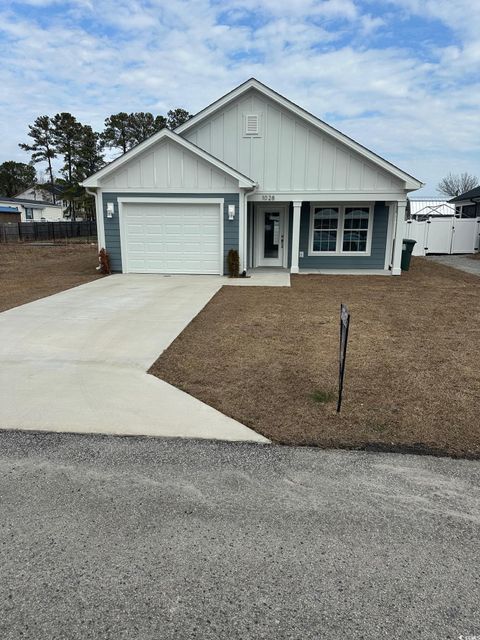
(270, 236)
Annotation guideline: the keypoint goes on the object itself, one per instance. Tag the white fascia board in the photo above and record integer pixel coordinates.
(411, 183)
(327, 196)
(93, 181)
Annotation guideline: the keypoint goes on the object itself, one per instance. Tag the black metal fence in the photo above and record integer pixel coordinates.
(62, 231)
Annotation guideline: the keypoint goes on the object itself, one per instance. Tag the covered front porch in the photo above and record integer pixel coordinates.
(338, 236)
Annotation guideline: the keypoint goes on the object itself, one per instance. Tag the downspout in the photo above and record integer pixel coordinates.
(246, 191)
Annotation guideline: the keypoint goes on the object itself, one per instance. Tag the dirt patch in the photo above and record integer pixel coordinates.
(268, 358)
(28, 273)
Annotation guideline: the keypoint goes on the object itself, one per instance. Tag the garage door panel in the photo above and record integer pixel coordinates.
(157, 231)
(135, 233)
(173, 229)
(172, 238)
(137, 247)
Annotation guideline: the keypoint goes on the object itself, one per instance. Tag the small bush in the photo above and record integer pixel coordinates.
(233, 261)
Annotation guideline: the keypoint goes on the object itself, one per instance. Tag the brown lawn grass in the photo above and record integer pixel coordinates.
(31, 272)
(268, 358)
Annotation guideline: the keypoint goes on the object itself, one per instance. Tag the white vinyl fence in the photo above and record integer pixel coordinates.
(444, 235)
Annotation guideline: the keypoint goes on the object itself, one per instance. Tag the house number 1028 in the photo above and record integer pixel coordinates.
(268, 197)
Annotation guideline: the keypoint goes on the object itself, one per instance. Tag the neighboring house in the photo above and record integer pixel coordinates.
(256, 173)
(9, 214)
(44, 194)
(34, 210)
(467, 204)
(423, 209)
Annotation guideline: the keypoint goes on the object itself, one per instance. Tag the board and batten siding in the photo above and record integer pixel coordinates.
(112, 225)
(169, 167)
(289, 154)
(376, 259)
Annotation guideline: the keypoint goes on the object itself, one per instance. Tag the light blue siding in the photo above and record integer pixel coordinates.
(112, 227)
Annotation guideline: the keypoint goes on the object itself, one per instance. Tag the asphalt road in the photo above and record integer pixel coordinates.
(156, 539)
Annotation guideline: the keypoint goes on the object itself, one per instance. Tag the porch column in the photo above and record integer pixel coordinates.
(242, 230)
(297, 206)
(398, 240)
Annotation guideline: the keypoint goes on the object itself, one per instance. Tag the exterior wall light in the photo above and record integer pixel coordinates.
(110, 209)
(231, 212)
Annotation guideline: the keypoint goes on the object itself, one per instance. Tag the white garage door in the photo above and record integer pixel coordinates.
(172, 238)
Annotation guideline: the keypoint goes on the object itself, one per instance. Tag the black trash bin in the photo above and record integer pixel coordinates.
(407, 248)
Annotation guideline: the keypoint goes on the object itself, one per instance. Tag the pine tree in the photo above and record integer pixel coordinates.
(142, 125)
(43, 146)
(89, 154)
(176, 117)
(67, 138)
(116, 134)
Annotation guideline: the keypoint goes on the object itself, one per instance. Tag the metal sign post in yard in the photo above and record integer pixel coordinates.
(344, 325)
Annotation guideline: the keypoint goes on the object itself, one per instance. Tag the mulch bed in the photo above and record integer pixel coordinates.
(268, 358)
(28, 272)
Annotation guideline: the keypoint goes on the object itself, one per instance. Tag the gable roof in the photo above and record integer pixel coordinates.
(58, 189)
(410, 182)
(468, 195)
(92, 181)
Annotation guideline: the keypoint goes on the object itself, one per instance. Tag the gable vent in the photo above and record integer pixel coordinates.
(251, 124)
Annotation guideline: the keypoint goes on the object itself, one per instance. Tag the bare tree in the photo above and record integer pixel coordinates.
(455, 184)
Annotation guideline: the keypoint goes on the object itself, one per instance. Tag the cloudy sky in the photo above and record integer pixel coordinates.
(400, 76)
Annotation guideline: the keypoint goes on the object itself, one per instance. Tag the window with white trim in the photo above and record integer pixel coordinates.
(28, 213)
(340, 229)
(325, 229)
(355, 229)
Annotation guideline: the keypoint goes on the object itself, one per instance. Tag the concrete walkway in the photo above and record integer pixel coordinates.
(462, 262)
(77, 361)
(262, 277)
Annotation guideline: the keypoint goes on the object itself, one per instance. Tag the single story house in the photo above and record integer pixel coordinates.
(467, 205)
(256, 173)
(34, 210)
(9, 214)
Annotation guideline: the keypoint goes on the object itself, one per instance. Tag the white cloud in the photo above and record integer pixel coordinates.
(371, 24)
(98, 58)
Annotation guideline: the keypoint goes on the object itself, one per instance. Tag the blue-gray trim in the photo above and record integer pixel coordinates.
(376, 259)
(112, 226)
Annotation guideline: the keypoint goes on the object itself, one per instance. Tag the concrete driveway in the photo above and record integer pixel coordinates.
(158, 539)
(77, 361)
(462, 262)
